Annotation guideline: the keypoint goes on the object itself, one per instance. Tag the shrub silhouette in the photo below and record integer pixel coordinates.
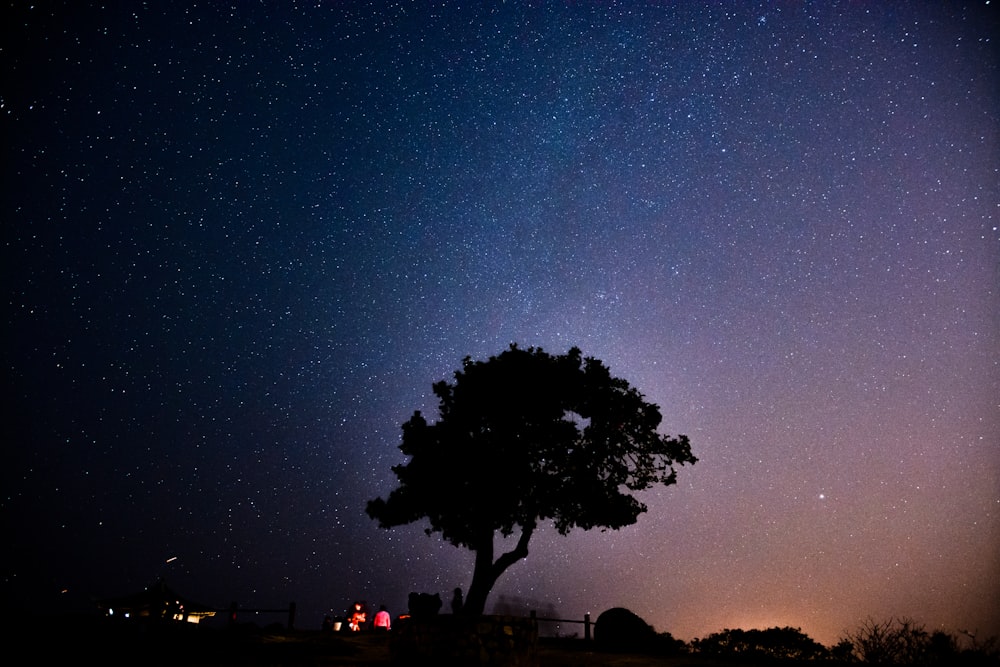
(619, 629)
(775, 643)
(903, 641)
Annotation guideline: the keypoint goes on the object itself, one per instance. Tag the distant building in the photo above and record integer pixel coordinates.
(156, 603)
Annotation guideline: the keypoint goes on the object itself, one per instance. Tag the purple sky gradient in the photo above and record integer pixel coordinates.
(242, 243)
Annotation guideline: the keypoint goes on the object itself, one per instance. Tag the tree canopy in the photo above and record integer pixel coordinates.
(523, 438)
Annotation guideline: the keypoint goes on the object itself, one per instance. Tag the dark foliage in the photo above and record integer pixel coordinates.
(772, 643)
(905, 642)
(523, 438)
(423, 605)
(619, 629)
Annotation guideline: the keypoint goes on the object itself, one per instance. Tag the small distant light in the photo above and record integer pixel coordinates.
(172, 559)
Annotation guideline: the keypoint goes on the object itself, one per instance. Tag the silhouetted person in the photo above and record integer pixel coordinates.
(456, 602)
(382, 620)
(327, 624)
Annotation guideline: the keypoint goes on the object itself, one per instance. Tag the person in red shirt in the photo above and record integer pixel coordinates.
(357, 617)
(382, 620)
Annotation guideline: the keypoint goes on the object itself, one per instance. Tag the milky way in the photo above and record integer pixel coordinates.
(241, 243)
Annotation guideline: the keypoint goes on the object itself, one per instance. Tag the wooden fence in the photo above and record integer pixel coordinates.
(585, 621)
(235, 610)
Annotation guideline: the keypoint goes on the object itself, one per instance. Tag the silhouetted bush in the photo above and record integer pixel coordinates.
(904, 642)
(665, 644)
(773, 643)
(424, 605)
(619, 629)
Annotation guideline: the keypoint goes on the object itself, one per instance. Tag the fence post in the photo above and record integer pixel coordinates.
(586, 626)
(291, 615)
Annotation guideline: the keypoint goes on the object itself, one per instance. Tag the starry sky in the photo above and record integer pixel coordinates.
(242, 240)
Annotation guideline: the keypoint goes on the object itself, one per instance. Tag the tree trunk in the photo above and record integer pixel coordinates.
(482, 583)
(487, 571)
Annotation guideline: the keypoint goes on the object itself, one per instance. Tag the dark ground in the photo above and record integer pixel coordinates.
(86, 640)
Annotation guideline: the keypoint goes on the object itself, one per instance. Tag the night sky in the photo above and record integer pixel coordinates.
(242, 240)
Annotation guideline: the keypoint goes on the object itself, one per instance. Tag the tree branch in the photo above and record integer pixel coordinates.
(517, 553)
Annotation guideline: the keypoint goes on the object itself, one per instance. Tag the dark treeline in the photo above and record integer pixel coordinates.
(891, 642)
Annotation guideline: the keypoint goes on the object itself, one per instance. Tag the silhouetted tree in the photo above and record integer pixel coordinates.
(523, 438)
(905, 642)
(942, 649)
(878, 642)
(773, 643)
(982, 651)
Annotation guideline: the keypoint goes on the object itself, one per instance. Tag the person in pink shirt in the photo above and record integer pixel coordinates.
(382, 620)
